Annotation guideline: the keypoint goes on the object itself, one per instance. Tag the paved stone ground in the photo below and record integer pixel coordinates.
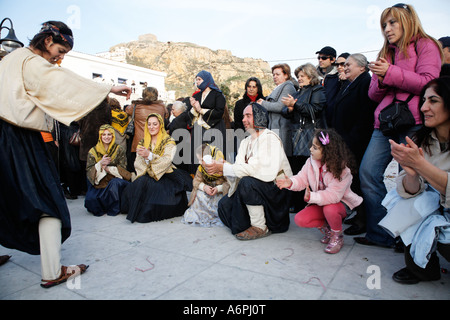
(168, 260)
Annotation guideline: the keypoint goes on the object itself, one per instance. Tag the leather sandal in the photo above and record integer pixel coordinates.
(66, 274)
(253, 233)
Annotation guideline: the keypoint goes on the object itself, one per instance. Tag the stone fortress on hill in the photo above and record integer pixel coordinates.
(181, 61)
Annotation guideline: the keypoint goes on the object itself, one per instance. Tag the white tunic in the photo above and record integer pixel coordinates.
(34, 91)
(262, 158)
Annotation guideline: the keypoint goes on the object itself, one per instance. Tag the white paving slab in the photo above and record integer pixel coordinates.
(168, 260)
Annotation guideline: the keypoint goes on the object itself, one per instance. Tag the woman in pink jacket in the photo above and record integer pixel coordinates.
(408, 60)
(326, 178)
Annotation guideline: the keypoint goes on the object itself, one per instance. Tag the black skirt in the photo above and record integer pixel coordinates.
(146, 200)
(105, 200)
(250, 191)
(30, 187)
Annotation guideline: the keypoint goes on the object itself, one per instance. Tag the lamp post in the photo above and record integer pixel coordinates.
(9, 43)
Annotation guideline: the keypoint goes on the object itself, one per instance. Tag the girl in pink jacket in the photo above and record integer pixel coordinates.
(326, 178)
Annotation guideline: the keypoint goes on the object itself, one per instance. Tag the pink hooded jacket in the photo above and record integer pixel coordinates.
(406, 76)
(336, 190)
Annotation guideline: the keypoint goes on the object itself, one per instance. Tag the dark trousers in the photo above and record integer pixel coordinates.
(432, 271)
(250, 191)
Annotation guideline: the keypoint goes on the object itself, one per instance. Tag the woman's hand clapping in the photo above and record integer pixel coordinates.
(143, 152)
(407, 155)
(380, 68)
(105, 161)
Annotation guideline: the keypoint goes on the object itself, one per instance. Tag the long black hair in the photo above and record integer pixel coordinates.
(258, 85)
(442, 88)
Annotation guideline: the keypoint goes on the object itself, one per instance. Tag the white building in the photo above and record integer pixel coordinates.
(114, 72)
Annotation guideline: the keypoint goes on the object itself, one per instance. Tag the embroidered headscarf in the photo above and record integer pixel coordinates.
(99, 150)
(208, 81)
(52, 29)
(120, 120)
(260, 116)
(163, 137)
(215, 154)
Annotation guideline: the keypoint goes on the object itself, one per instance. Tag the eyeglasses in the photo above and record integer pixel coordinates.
(401, 5)
(323, 57)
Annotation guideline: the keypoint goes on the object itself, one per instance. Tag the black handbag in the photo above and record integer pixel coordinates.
(396, 117)
(303, 136)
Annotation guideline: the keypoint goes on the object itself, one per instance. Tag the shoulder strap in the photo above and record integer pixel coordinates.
(409, 98)
(134, 111)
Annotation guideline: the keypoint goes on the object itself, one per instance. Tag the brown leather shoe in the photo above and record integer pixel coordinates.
(253, 233)
(66, 273)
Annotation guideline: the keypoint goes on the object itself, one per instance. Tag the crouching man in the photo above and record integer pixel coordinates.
(254, 206)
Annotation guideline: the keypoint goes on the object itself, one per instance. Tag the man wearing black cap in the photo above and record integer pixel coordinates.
(445, 41)
(328, 71)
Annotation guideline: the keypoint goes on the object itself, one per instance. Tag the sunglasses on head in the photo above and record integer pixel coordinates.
(401, 6)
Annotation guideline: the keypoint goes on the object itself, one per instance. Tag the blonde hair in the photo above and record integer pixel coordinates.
(409, 21)
(310, 71)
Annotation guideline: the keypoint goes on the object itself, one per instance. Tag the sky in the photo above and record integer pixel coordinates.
(290, 31)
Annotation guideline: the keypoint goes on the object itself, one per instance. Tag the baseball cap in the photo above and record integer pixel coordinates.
(329, 51)
(445, 42)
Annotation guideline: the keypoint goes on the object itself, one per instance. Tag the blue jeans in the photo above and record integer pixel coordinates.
(371, 173)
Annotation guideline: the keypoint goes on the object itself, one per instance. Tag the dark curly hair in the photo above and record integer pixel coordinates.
(442, 88)
(335, 154)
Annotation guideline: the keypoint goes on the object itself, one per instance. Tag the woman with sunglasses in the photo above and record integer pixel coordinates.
(408, 60)
(340, 63)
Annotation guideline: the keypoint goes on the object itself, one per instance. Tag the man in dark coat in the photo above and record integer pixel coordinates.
(328, 71)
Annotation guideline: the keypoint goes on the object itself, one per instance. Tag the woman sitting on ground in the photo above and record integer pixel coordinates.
(159, 191)
(106, 173)
(426, 170)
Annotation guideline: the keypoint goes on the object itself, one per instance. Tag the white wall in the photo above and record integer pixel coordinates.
(86, 65)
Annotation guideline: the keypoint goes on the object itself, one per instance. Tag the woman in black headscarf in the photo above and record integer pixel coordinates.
(206, 111)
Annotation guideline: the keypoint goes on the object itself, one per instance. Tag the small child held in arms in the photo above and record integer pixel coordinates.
(326, 178)
(208, 190)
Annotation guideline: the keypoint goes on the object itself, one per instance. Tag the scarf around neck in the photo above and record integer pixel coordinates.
(99, 150)
(163, 138)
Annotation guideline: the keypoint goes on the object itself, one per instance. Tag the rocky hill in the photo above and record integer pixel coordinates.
(182, 61)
